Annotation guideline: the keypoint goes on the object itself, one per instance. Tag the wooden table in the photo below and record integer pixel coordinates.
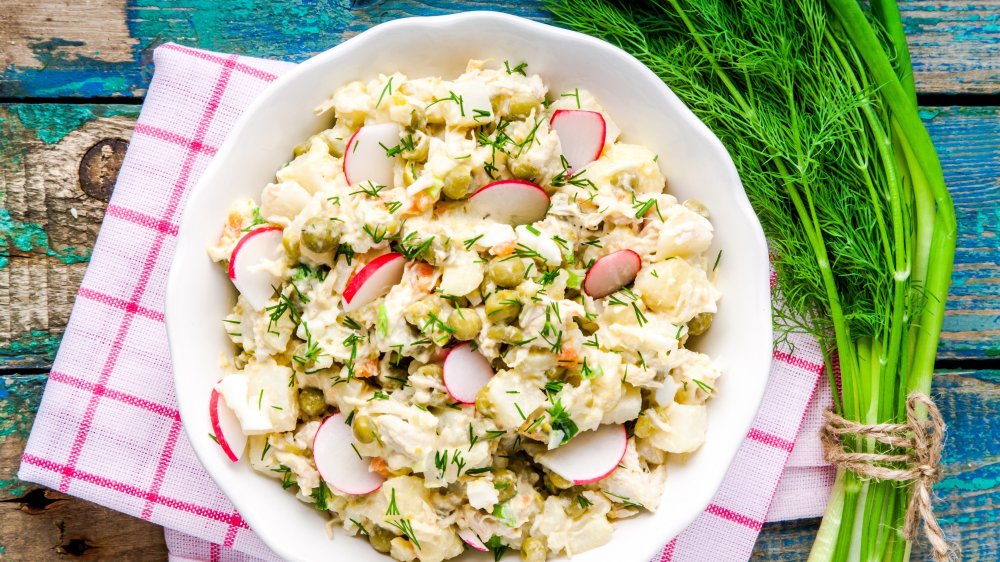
(74, 73)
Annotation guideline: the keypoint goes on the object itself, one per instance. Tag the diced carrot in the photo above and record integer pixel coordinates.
(505, 249)
(568, 354)
(367, 369)
(379, 467)
(424, 276)
(421, 202)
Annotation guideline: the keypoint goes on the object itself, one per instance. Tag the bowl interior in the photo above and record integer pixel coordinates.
(695, 163)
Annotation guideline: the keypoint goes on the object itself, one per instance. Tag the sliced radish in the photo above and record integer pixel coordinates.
(227, 428)
(339, 463)
(365, 155)
(373, 280)
(581, 135)
(255, 283)
(590, 456)
(511, 201)
(465, 372)
(611, 272)
(470, 538)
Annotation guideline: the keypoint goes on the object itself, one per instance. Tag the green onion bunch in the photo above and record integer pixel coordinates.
(815, 102)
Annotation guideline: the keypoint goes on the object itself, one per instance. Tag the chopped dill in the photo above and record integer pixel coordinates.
(519, 69)
(452, 96)
(574, 94)
(371, 189)
(386, 88)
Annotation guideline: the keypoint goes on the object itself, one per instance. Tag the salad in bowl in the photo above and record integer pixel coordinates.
(463, 316)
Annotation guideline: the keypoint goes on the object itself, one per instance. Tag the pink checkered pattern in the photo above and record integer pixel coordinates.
(108, 429)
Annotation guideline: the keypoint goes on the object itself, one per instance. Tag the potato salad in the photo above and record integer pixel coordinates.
(462, 318)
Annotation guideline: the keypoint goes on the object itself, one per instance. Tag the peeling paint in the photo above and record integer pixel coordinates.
(50, 122)
(19, 399)
(38, 343)
(30, 237)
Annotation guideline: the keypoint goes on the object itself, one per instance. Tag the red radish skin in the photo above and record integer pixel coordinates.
(226, 427)
(373, 280)
(470, 538)
(465, 372)
(581, 135)
(365, 159)
(511, 201)
(256, 245)
(589, 457)
(611, 272)
(338, 462)
(239, 245)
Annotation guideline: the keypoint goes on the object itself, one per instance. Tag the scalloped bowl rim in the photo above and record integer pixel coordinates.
(694, 161)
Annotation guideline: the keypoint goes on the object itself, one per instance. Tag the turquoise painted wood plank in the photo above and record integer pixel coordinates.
(966, 139)
(104, 48)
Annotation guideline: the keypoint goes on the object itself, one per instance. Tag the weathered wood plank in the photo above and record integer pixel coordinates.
(43, 246)
(104, 47)
(966, 139)
(966, 507)
(48, 223)
(37, 524)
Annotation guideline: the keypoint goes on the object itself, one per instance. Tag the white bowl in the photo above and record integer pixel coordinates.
(199, 293)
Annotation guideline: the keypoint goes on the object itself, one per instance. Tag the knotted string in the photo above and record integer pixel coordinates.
(914, 457)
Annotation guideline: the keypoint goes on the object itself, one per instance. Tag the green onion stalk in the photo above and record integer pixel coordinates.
(815, 102)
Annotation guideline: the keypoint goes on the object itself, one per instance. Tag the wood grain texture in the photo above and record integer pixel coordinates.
(967, 495)
(967, 141)
(37, 524)
(48, 224)
(57, 50)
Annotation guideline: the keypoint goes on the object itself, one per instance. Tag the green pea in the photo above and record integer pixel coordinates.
(506, 272)
(301, 148)
(418, 312)
(484, 403)
(380, 539)
(503, 306)
(421, 147)
(391, 378)
(505, 333)
(574, 509)
(418, 118)
(587, 325)
(505, 483)
(411, 171)
(456, 182)
(466, 323)
(320, 235)
(363, 431)
(533, 550)
(700, 324)
(432, 370)
(555, 482)
(291, 247)
(311, 401)
(523, 169)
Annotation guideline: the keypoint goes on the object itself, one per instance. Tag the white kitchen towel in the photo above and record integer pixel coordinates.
(108, 429)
